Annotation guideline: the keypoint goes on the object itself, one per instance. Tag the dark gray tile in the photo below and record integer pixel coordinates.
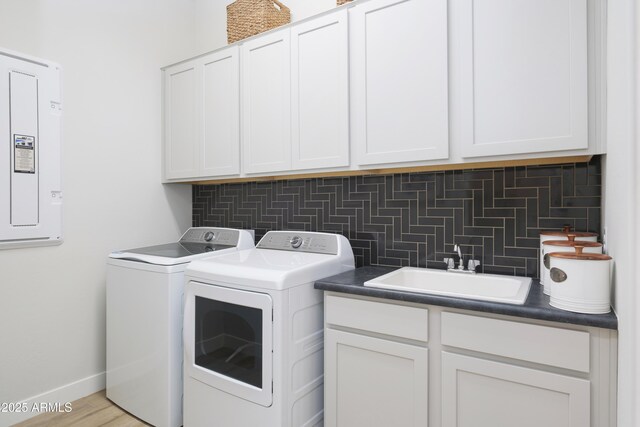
(588, 202)
(521, 192)
(407, 219)
(568, 212)
(488, 222)
(509, 261)
(527, 242)
(568, 180)
(430, 221)
(468, 185)
(588, 190)
(449, 203)
(509, 231)
(478, 231)
(532, 213)
(487, 191)
(478, 207)
(509, 177)
(510, 203)
(499, 213)
(498, 183)
(543, 202)
(532, 182)
(498, 241)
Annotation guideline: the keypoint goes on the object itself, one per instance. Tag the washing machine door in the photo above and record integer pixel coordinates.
(228, 340)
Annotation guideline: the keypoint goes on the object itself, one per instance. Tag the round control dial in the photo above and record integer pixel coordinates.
(296, 242)
(208, 236)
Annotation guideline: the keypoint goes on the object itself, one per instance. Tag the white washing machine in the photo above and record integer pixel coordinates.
(144, 321)
(253, 332)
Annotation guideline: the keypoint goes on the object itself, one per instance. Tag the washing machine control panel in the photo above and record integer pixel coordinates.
(301, 241)
(218, 236)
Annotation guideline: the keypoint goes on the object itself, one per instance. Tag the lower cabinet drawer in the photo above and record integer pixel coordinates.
(389, 319)
(534, 343)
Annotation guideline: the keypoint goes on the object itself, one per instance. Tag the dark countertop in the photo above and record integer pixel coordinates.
(535, 307)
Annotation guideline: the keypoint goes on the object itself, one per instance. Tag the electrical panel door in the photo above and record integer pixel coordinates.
(30, 126)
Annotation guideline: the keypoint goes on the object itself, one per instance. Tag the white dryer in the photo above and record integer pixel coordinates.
(144, 321)
(253, 332)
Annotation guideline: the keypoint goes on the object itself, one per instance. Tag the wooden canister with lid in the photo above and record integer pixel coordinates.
(568, 245)
(581, 236)
(580, 281)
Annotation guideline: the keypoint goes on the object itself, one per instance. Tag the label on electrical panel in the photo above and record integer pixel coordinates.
(24, 159)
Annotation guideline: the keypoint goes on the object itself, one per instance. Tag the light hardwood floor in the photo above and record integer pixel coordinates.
(92, 411)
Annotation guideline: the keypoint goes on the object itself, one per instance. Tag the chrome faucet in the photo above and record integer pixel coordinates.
(457, 249)
(451, 265)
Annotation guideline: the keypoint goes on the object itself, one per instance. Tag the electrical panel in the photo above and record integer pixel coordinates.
(30, 137)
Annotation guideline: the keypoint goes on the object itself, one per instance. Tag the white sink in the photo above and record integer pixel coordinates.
(485, 287)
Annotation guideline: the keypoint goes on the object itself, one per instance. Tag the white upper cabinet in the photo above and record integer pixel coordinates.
(180, 121)
(220, 139)
(266, 103)
(380, 84)
(399, 81)
(320, 92)
(202, 117)
(523, 76)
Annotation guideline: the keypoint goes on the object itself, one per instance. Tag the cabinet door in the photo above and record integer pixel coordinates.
(481, 393)
(523, 76)
(320, 92)
(373, 382)
(220, 138)
(266, 110)
(180, 120)
(399, 81)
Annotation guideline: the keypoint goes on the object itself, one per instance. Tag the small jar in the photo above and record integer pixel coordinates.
(581, 236)
(549, 246)
(580, 281)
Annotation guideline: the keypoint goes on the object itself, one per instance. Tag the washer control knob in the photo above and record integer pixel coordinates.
(296, 242)
(208, 236)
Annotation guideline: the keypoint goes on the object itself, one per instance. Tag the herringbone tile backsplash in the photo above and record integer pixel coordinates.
(414, 219)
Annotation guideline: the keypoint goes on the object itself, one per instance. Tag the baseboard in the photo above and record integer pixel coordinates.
(60, 395)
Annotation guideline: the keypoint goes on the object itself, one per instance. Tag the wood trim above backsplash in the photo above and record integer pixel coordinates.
(412, 169)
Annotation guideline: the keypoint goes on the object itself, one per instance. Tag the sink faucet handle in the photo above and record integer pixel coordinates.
(450, 262)
(473, 263)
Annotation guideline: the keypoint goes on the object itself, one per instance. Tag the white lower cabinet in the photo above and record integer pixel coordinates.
(374, 382)
(478, 392)
(475, 369)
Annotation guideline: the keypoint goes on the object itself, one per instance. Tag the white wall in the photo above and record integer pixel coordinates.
(211, 19)
(622, 197)
(52, 300)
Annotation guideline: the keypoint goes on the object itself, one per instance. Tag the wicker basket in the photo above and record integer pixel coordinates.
(341, 2)
(246, 18)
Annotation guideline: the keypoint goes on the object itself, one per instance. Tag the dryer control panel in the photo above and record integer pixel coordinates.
(213, 235)
(301, 241)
